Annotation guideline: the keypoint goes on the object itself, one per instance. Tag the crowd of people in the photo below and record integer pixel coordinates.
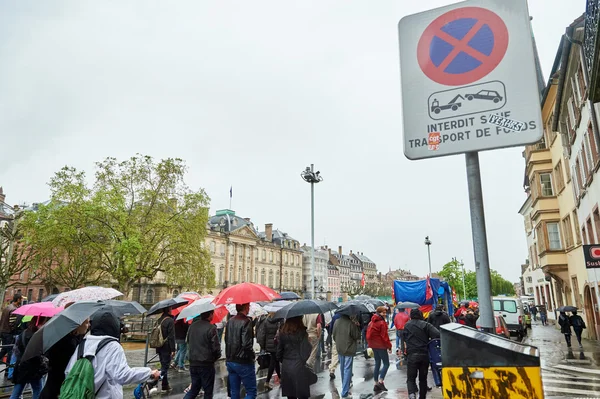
(290, 349)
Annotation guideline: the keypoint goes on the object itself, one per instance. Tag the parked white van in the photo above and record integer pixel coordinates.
(511, 309)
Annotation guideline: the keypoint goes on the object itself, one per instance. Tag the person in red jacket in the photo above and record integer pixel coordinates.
(460, 314)
(399, 321)
(379, 340)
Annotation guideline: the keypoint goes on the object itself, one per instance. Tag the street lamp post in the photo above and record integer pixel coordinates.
(312, 177)
(428, 243)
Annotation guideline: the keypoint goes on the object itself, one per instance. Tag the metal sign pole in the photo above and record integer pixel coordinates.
(480, 248)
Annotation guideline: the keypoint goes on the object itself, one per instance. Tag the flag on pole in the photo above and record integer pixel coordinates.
(362, 281)
(428, 290)
(454, 298)
(231, 192)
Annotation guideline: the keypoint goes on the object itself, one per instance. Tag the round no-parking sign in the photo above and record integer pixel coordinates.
(462, 46)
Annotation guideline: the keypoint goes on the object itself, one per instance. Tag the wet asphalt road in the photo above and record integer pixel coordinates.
(324, 388)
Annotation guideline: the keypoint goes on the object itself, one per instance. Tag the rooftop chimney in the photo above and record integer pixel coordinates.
(340, 249)
(2, 196)
(350, 252)
(269, 232)
(329, 249)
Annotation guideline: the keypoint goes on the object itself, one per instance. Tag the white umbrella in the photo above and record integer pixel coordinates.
(275, 306)
(255, 310)
(86, 294)
(196, 308)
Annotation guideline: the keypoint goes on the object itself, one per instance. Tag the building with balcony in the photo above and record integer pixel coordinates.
(576, 119)
(368, 267)
(554, 177)
(343, 264)
(239, 253)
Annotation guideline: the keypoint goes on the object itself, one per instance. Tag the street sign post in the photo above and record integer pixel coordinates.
(469, 84)
(468, 77)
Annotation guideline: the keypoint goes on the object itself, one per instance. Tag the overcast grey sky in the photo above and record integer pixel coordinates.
(249, 93)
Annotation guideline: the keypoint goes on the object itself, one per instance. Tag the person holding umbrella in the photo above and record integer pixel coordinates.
(59, 348)
(205, 350)
(32, 370)
(239, 352)
(111, 370)
(294, 350)
(345, 334)
(167, 351)
(266, 339)
(565, 327)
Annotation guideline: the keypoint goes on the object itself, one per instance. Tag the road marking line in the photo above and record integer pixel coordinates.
(566, 390)
(577, 369)
(572, 383)
(568, 376)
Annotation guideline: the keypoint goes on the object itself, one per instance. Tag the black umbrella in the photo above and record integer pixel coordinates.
(49, 298)
(123, 308)
(288, 296)
(567, 309)
(370, 307)
(375, 302)
(300, 308)
(59, 326)
(353, 309)
(407, 305)
(362, 297)
(167, 303)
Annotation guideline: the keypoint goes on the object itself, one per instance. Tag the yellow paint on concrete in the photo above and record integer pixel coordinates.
(492, 383)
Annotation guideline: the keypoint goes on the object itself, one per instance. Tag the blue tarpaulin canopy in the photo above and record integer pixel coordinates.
(415, 291)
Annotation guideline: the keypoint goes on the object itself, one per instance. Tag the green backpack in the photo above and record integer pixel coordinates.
(79, 383)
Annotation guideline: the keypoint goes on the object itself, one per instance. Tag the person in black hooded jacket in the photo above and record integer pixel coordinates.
(438, 317)
(266, 339)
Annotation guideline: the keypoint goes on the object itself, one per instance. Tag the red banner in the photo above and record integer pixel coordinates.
(428, 290)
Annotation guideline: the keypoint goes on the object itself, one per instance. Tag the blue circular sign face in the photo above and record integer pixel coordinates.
(462, 46)
(441, 291)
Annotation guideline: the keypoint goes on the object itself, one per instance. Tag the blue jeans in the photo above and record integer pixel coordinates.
(381, 355)
(400, 340)
(240, 373)
(202, 377)
(346, 371)
(36, 387)
(181, 354)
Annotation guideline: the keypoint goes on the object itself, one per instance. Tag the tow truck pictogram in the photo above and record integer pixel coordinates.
(453, 104)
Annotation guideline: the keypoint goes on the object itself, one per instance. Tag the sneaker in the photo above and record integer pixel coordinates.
(173, 366)
(268, 386)
(382, 386)
(166, 390)
(412, 396)
(182, 369)
(348, 395)
(332, 376)
(377, 389)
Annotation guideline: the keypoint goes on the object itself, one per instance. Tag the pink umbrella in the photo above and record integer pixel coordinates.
(43, 309)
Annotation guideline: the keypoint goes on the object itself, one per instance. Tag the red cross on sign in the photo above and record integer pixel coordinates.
(462, 46)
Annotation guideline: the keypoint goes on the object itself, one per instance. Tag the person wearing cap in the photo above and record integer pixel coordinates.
(417, 334)
(111, 370)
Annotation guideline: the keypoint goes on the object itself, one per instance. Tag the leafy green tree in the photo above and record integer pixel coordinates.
(15, 256)
(141, 220)
(452, 273)
(64, 255)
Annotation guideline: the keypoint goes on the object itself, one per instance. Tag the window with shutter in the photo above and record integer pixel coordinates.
(576, 227)
(570, 130)
(558, 177)
(554, 241)
(588, 154)
(571, 108)
(585, 168)
(581, 82)
(592, 144)
(576, 91)
(578, 174)
(541, 242)
(567, 169)
(575, 183)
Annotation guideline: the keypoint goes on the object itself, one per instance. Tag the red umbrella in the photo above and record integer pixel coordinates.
(188, 296)
(245, 293)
